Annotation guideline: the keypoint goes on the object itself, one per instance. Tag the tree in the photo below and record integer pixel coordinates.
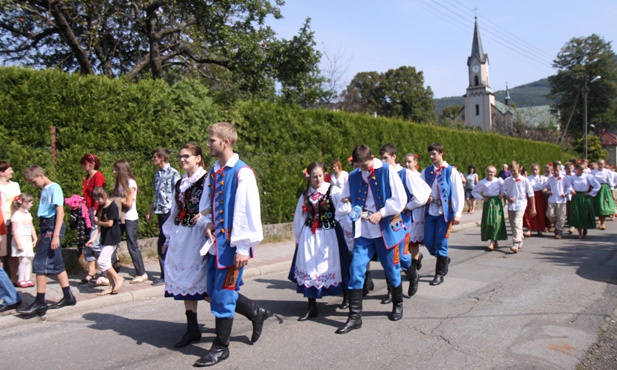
(397, 93)
(224, 42)
(578, 62)
(594, 148)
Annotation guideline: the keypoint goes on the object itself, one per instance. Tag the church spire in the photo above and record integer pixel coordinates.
(507, 98)
(476, 47)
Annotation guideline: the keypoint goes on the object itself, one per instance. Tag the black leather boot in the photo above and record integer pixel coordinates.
(446, 265)
(440, 270)
(414, 278)
(67, 300)
(220, 347)
(397, 303)
(369, 280)
(345, 304)
(36, 308)
(354, 321)
(388, 298)
(311, 310)
(193, 333)
(254, 313)
(419, 266)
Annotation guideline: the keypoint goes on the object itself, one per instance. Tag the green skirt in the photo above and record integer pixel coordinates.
(604, 205)
(581, 214)
(493, 220)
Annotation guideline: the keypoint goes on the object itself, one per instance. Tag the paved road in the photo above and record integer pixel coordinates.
(538, 309)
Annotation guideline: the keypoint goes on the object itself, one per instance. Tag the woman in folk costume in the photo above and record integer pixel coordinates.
(185, 271)
(604, 205)
(539, 222)
(321, 262)
(583, 188)
(493, 227)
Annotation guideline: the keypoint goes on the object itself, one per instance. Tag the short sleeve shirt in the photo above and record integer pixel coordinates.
(51, 197)
(110, 235)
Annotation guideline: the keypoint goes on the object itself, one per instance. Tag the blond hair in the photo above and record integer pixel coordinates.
(224, 131)
(32, 172)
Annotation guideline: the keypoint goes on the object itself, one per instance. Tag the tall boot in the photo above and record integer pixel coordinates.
(311, 310)
(354, 321)
(193, 333)
(254, 313)
(397, 303)
(220, 347)
(440, 270)
(345, 304)
(419, 263)
(368, 283)
(446, 265)
(388, 298)
(414, 278)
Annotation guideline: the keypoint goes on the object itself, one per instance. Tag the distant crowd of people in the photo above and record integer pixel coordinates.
(209, 222)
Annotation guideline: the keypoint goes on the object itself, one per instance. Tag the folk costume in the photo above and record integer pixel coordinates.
(321, 261)
(604, 205)
(185, 277)
(539, 222)
(582, 215)
(520, 189)
(558, 190)
(493, 226)
(448, 201)
(417, 192)
(235, 213)
(378, 190)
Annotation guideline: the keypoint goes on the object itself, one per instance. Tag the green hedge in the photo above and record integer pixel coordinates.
(118, 119)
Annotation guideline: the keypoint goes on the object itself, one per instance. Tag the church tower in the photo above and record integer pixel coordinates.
(479, 98)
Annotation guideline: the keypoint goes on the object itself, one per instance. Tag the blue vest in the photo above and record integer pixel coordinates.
(392, 227)
(445, 189)
(223, 184)
(406, 215)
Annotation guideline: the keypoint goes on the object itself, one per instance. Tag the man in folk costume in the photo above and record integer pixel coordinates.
(377, 196)
(445, 208)
(234, 227)
(417, 192)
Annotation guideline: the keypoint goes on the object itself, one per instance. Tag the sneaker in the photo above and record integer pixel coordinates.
(158, 282)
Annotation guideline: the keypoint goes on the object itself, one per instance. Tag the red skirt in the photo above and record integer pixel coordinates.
(539, 222)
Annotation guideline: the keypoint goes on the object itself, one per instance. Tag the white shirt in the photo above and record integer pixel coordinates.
(486, 188)
(342, 179)
(394, 205)
(131, 214)
(558, 188)
(246, 230)
(417, 187)
(582, 184)
(604, 177)
(537, 182)
(457, 192)
(519, 189)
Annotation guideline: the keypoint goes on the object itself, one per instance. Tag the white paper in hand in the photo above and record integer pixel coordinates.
(204, 250)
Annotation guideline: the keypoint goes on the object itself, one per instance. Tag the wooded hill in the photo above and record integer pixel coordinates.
(528, 95)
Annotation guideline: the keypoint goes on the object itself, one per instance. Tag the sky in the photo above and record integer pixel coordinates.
(521, 38)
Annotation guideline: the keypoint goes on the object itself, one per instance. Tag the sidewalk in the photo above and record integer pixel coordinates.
(269, 258)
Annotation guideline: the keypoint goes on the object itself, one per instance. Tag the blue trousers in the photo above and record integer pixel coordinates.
(223, 296)
(363, 251)
(7, 291)
(435, 229)
(405, 258)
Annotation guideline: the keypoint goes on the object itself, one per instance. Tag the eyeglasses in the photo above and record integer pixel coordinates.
(184, 156)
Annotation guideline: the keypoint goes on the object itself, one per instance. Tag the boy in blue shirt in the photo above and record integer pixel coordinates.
(48, 255)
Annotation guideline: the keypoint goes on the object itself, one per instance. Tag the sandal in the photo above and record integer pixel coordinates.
(87, 279)
(139, 279)
(117, 287)
(105, 292)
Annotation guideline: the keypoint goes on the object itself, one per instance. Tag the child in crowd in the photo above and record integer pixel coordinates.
(539, 222)
(108, 222)
(24, 237)
(493, 227)
(517, 190)
(48, 255)
(583, 188)
(558, 189)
